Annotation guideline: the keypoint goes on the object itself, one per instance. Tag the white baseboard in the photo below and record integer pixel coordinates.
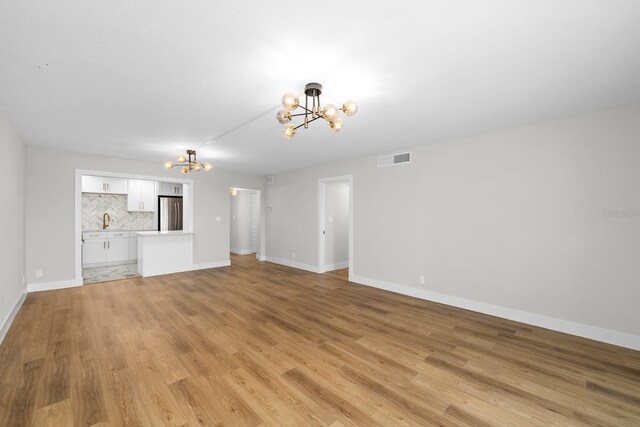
(337, 266)
(6, 324)
(49, 286)
(592, 332)
(241, 251)
(213, 264)
(294, 264)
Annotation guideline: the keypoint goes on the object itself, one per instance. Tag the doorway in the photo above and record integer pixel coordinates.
(335, 223)
(245, 221)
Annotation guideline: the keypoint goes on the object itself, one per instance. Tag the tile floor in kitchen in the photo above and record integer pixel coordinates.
(112, 272)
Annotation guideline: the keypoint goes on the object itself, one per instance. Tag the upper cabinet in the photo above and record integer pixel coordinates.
(100, 184)
(170, 189)
(141, 196)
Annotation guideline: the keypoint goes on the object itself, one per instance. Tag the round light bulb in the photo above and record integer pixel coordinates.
(336, 125)
(350, 107)
(289, 131)
(168, 164)
(207, 166)
(330, 112)
(197, 166)
(182, 158)
(284, 116)
(185, 170)
(290, 101)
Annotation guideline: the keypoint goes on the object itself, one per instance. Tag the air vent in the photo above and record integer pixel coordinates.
(270, 179)
(394, 159)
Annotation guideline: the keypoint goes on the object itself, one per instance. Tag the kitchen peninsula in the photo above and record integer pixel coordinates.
(164, 252)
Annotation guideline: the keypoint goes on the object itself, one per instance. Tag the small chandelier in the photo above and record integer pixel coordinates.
(329, 112)
(188, 163)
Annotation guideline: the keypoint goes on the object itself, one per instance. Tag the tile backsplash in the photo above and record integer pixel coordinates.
(95, 205)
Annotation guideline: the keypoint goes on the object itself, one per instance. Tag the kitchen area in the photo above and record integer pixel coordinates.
(124, 222)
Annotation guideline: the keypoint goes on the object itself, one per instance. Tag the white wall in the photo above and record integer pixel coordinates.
(336, 224)
(50, 208)
(12, 265)
(241, 218)
(519, 219)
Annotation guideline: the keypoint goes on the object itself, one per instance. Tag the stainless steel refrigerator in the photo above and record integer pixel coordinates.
(169, 213)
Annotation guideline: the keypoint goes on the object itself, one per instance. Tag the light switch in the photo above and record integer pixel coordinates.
(330, 219)
(218, 218)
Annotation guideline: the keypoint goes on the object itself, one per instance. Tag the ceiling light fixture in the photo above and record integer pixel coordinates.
(188, 163)
(329, 112)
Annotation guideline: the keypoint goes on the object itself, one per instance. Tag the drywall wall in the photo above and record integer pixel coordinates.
(50, 208)
(241, 218)
(541, 218)
(12, 177)
(336, 224)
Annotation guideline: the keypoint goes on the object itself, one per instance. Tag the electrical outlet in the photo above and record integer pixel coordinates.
(422, 280)
(218, 218)
(24, 280)
(293, 254)
(39, 273)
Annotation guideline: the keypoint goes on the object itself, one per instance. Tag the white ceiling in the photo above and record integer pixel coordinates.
(146, 78)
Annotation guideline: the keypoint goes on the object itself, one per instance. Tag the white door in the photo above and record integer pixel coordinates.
(118, 249)
(93, 184)
(148, 196)
(94, 251)
(116, 185)
(133, 246)
(133, 195)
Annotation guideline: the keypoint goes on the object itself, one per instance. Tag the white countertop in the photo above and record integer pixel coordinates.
(163, 233)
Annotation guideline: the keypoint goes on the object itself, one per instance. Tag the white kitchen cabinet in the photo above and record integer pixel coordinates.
(94, 251)
(104, 185)
(141, 196)
(94, 248)
(118, 248)
(102, 248)
(170, 189)
(133, 245)
(116, 185)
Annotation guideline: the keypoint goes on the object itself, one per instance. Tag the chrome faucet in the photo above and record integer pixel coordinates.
(105, 221)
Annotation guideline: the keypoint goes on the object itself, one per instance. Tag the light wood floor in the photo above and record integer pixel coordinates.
(261, 344)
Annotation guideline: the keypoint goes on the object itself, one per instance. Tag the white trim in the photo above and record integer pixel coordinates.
(49, 286)
(241, 251)
(321, 202)
(592, 332)
(187, 197)
(337, 266)
(207, 265)
(261, 258)
(6, 324)
(293, 264)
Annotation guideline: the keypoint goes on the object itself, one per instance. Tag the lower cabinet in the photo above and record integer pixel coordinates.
(94, 251)
(103, 248)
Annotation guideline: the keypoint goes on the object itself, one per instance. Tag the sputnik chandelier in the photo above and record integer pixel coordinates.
(188, 163)
(329, 112)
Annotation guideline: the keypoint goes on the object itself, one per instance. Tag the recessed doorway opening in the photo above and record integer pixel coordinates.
(244, 230)
(335, 223)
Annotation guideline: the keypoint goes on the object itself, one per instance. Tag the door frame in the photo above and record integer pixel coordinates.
(259, 255)
(322, 182)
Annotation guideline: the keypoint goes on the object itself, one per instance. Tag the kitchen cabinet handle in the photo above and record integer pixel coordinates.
(104, 245)
(108, 245)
